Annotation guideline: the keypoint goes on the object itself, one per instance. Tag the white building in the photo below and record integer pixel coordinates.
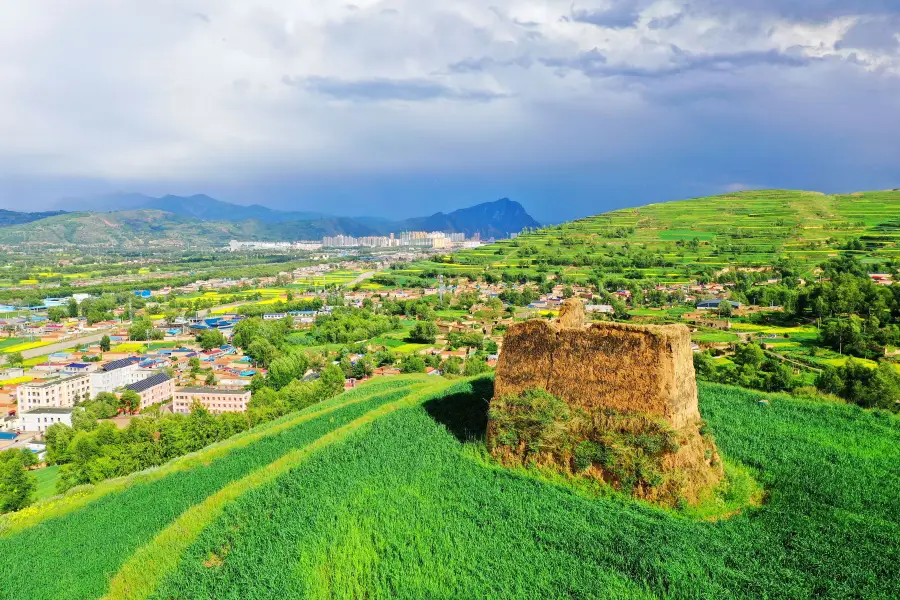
(117, 374)
(58, 393)
(40, 419)
(216, 400)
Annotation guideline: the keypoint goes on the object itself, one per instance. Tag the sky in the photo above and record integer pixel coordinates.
(405, 107)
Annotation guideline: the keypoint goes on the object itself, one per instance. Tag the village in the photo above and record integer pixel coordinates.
(174, 366)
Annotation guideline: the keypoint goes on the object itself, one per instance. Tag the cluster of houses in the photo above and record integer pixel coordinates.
(159, 378)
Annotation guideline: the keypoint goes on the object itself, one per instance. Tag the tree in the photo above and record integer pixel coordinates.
(140, 330)
(475, 366)
(57, 313)
(105, 344)
(130, 401)
(362, 368)
(857, 383)
(748, 354)
(490, 347)
(451, 366)
(262, 352)
(781, 379)
(844, 335)
(211, 338)
(83, 420)
(211, 378)
(412, 363)
(424, 332)
(287, 368)
(17, 485)
(15, 359)
(194, 364)
(330, 382)
(704, 365)
(725, 308)
(620, 309)
(58, 437)
(72, 307)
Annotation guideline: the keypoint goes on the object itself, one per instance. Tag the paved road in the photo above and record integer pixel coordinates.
(60, 346)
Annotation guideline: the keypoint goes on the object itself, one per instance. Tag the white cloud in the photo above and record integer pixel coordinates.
(225, 89)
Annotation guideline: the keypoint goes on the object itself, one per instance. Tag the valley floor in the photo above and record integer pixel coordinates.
(379, 494)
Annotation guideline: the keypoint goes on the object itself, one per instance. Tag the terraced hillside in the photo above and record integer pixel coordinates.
(384, 492)
(673, 240)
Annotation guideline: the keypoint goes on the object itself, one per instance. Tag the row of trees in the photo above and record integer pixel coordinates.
(750, 368)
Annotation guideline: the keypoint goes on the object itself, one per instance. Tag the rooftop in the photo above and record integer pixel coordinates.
(119, 364)
(53, 382)
(211, 390)
(146, 384)
(49, 411)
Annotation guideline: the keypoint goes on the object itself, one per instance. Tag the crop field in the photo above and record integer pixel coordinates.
(714, 337)
(46, 482)
(678, 239)
(25, 346)
(7, 342)
(138, 347)
(16, 380)
(143, 505)
(383, 492)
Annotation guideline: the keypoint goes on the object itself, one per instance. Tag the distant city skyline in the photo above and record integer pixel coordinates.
(399, 107)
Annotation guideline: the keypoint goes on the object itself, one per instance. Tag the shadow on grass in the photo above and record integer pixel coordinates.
(465, 415)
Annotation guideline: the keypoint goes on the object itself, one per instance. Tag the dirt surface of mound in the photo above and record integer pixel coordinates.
(639, 368)
(606, 368)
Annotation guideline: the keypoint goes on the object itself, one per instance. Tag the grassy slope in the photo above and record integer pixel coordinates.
(402, 510)
(400, 507)
(46, 482)
(108, 529)
(763, 223)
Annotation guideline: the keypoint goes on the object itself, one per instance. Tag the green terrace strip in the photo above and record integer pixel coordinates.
(140, 575)
(403, 510)
(74, 555)
(78, 497)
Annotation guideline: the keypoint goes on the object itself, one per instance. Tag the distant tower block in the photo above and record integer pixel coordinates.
(627, 368)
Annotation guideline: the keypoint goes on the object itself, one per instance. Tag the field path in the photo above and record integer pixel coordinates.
(141, 574)
(360, 279)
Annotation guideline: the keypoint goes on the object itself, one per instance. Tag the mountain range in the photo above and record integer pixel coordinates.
(137, 220)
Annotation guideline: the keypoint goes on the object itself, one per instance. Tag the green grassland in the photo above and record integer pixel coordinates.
(46, 482)
(678, 239)
(382, 492)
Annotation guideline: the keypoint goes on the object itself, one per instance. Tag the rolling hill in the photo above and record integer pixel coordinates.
(676, 241)
(154, 228)
(385, 491)
(199, 206)
(8, 218)
(200, 221)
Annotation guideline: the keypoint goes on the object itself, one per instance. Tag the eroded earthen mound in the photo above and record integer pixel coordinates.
(611, 376)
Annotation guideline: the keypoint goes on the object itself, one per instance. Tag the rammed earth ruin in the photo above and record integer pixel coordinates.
(631, 369)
